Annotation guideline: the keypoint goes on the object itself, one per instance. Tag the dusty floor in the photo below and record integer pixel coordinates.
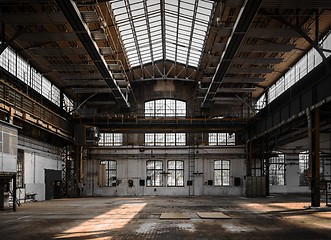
(277, 217)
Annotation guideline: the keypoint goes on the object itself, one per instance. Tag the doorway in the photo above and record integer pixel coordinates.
(53, 183)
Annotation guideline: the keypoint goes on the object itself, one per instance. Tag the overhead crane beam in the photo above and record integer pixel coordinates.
(137, 124)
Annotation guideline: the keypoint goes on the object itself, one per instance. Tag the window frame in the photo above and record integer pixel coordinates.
(15, 64)
(175, 175)
(155, 173)
(110, 139)
(303, 168)
(223, 172)
(20, 169)
(111, 173)
(221, 139)
(165, 139)
(277, 170)
(165, 107)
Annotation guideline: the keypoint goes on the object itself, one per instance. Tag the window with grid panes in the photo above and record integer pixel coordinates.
(47, 88)
(154, 169)
(55, 95)
(22, 69)
(138, 23)
(165, 139)
(20, 169)
(110, 139)
(303, 168)
(165, 108)
(325, 167)
(277, 169)
(18, 66)
(111, 172)
(175, 173)
(222, 173)
(221, 139)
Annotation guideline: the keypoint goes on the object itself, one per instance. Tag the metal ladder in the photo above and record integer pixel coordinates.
(191, 163)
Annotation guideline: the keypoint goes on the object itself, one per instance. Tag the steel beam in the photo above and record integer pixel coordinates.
(73, 67)
(314, 156)
(252, 70)
(142, 124)
(235, 90)
(257, 60)
(91, 90)
(73, 76)
(74, 18)
(291, 106)
(304, 34)
(85, 83)
(49, 36)
(57, 51)
(244, 20)
(32, 18)
(273, 33)
(302, 4)
(242, 80)
(270, 47)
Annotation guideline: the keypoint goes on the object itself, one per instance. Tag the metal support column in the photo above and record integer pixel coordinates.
(2, 194)
(191, 170)
(267, 175)
(78, 170)
(14, 193)
(68, 173)
(314, 156)
(249, 158)
(267, 154)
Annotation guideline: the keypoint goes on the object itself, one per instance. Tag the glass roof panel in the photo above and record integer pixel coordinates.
(145, 35)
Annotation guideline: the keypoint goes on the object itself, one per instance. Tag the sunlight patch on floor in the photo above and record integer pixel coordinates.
(98, 226)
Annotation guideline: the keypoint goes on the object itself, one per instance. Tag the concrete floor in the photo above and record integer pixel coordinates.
(276, 217)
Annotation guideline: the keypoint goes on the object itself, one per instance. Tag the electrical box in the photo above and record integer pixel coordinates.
(86, 135)
(237, 181)
(142, 182)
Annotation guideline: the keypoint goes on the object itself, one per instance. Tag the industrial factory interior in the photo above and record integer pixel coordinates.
(165, 119)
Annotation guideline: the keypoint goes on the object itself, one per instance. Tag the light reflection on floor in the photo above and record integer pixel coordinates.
(113, 219)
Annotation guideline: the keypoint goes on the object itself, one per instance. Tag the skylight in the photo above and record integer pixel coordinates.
(153, 30)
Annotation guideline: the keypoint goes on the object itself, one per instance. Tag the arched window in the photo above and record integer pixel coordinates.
(165, 108)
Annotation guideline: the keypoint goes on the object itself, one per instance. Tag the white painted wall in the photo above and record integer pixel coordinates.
(38, 156)
(34, 172)
(135, 169)
(237, 169)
